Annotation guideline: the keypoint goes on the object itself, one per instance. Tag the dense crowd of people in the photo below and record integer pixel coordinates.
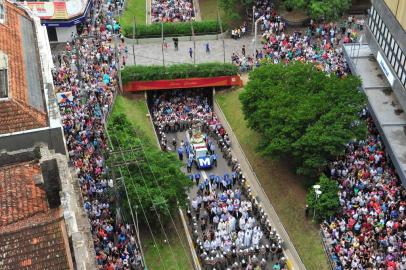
(229, 227)
(89, 72)
(319, 44)
(172, 11)
(370, 231)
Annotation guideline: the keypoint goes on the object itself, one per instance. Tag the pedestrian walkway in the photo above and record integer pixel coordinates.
(151, 53)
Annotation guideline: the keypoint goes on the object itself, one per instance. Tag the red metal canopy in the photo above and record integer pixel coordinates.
(136, 86)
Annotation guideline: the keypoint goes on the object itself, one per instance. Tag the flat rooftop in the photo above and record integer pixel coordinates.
(385, 107)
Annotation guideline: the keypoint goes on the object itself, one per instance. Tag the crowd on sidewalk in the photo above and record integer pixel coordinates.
(370, 231)
(89, 72)
(172, 11)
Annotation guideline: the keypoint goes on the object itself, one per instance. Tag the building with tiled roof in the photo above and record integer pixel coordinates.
(42, 223)
(32, 234)
(27, 101)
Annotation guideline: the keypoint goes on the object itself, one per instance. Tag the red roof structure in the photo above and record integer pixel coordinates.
(32, 236)
(23, 108)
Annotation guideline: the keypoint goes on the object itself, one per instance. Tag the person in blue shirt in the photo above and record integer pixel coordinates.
(180, 153)
(234, 175)
(197, 177)
(214, 157)
(211, 177)
(189, 165)
(201, 187)
(206, 184)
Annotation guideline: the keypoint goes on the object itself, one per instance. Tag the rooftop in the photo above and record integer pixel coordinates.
(32, 235)
(383, 104)
(22, 101)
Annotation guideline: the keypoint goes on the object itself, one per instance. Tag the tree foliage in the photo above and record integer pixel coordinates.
(173, 29)
(320, 9)
(229, 8)
(152, 167)
(327, 204)
(179, 71)
(302, 113)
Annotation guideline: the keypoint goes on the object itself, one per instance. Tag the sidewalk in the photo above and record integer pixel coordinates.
(294, 261)
(151, 53)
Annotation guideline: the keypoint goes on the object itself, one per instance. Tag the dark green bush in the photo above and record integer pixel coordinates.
(182, 71)
(173, 29)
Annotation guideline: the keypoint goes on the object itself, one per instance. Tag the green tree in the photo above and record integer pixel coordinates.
(320, 9)
(230, 10)
(302, 113)
(327, 204)
(153, 178)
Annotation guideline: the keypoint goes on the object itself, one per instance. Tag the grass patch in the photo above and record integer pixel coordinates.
(134, 8)
(208, 10)
(160, 256)
(277, 176)
(136, 110)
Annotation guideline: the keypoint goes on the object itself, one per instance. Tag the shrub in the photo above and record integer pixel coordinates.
(181, 71)
(173, 29)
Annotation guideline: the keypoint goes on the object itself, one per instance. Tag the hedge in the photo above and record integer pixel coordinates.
(173, 29)
(181, 71)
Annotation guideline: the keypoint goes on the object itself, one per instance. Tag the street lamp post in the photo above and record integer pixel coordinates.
(253, 18)
(317, 192)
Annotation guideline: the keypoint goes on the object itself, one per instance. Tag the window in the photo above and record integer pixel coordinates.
(399, 69)
(2, 12)
(3, 83)
(404, 78)
(3, 76)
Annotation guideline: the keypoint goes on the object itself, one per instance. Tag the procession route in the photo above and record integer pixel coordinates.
(294, 261)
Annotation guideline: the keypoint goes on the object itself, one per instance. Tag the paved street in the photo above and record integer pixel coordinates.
(151, 53)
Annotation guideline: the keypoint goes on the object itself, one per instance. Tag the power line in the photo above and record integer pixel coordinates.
(154, 207)
(142, 208)
(160, 190)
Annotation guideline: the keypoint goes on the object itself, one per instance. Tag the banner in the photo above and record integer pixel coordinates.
(58, 10)
(64, 98)
(135, 86)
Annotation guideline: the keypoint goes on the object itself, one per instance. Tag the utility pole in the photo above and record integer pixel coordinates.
(133, 39)
(194, 43)
(162, 43)
(221, 30)
(253, 18)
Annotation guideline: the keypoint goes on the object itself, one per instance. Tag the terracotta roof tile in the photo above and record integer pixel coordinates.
(19, 196)
(14, 112)
(32, 236)
(40, 246)
(16, 117)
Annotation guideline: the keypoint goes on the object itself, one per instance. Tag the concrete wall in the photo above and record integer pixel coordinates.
(391, 22)
(53, 137)
(398, 8)
(396, 30)
(64, 34)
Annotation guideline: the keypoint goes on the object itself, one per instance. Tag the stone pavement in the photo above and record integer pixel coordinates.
(151, 53)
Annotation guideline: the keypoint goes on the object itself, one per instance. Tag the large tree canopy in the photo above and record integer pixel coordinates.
(153, 179)
(302, 113)
(320, 9)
